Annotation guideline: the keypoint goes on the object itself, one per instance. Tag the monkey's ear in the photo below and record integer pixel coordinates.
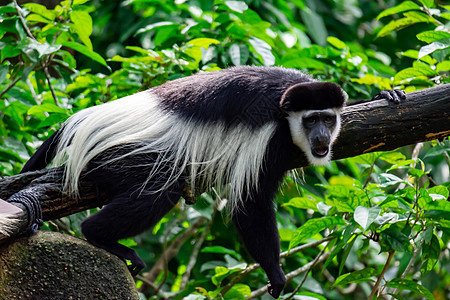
(313, 95)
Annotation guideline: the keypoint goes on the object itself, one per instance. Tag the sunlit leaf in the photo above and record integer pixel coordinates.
(155, 26)
(312, 227)
(239, 292)
(404, 6)
(406, 284)
(238, 6)
(87, 52)
(414, 72)
(365, 216)
(359, 276)
(432, 36)
(302, 203)
(439, 45)
(336, 42)
(264, 50)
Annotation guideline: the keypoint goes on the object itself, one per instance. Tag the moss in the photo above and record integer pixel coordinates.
(51, 265)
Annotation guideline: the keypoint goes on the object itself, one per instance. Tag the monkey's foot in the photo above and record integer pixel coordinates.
(275, 289)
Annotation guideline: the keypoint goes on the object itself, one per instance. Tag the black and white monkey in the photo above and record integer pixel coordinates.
(240, 127)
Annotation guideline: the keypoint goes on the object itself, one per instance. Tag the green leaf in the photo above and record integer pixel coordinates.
(290, 61)
(414, 72)
(438, 192)
(87, 52)
(432, 36)
(394, 25)
(42, 48)
(203, 42)
(411, 17)
(345, 254)
(46, 107)
(443, 66)
(431, 251)
(239, 54)
(302, 203)
(427, 3)
(264, 50)
(238, 6)
(363, 275)
(82, 22)
(404, 6)
(406, 284)
(239, 292)
(415, 54)
(337, 43)
(9, 51)
(48, 15)
(312, 227)
(395, 239)
(156, 25)
(443, 205)
(365, 216)
(392, 157)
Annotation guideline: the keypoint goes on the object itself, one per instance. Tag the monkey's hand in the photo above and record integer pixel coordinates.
(275, 286)
(391, 95)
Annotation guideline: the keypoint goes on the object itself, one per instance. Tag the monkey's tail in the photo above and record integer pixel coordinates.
(44, 155)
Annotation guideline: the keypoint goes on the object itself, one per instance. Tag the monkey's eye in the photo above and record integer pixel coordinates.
(330, 120)
(309, 121)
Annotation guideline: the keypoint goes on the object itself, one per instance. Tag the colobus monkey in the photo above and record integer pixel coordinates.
(239, 127)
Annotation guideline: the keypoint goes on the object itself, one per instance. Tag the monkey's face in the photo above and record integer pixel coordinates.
(314, 132)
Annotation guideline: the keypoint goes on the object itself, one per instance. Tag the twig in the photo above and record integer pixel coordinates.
(381, 276)
(13, 83)
(171, 251)
(290, 275)
(314, 263)
(410, 264)
(305, 246)
(23, 21)
(196, 251)
(52, 90)
(253, 267)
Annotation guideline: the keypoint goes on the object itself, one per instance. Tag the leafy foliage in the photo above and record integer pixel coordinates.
(58, 60)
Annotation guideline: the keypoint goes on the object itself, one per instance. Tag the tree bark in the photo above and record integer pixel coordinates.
(366, 127)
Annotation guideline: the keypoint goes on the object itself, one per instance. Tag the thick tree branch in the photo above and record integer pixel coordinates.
(370, 126)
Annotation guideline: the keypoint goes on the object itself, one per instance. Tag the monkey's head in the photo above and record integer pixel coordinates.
(313, 110)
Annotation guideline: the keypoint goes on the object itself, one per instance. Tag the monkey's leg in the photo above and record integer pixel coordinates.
(127, 216)
(256, 223)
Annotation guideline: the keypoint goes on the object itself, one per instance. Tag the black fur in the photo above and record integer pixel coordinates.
(242, 95)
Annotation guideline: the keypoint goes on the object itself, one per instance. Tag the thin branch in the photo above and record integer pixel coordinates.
(291, 275)
(23, 21)
(381, 276)
(196, 251)
(172, 251)
(314, 263)
(12, 84)
(52, 90)
(253, 267)
(410, 265)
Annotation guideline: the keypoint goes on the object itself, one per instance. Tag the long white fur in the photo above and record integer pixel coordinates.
(210, 153)
(300, 138)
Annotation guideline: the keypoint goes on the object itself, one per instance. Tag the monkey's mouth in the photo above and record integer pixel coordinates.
(320, 151)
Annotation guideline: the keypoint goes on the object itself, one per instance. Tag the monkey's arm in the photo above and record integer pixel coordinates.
(256, 224)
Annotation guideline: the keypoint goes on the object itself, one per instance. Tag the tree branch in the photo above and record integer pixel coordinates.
(370, 126)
